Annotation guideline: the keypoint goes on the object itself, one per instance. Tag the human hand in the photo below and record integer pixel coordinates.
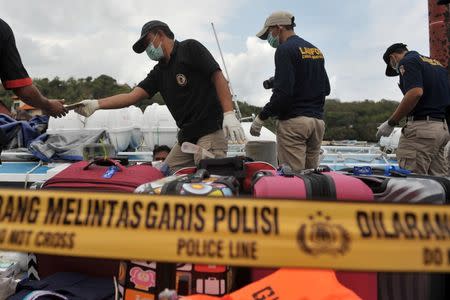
(255, 129)
(232, 128)
(55, 108)
(87, 108)
(384, 130)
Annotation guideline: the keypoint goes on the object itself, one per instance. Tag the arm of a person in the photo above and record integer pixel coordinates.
(272, 108)
(123, 100)
(223, 91)
(12, 72)
(202, 60)
(327, 84)
(407, 104)
(15, 77)
(283, 85)
(32, 96)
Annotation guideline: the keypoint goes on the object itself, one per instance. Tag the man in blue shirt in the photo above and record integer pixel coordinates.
(300, 86)
(424, 84)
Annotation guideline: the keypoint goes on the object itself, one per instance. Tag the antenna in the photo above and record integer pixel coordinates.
(238, 112)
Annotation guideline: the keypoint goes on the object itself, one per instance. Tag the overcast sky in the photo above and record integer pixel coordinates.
(81, 38)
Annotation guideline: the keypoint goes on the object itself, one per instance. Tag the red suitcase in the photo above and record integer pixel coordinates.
(103, 175)
(89, 176)
(318, 186)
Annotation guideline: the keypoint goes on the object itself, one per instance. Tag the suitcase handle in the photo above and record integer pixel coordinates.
(199, 175)
(104, 161)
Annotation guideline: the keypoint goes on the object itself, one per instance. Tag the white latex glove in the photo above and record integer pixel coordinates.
(257, 124)
(88, 108)
(232, 128)
(384, 130)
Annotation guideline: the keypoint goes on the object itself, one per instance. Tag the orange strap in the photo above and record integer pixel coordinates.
(290, 284)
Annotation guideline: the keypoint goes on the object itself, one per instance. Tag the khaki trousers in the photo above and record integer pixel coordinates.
(298, 141)
(421, 147)
(215, 143)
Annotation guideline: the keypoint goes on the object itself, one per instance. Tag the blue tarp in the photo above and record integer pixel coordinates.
(31, 134)
(18, 134)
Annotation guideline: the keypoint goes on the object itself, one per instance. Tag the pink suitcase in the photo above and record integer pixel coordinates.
(318, 186)
(315, 185)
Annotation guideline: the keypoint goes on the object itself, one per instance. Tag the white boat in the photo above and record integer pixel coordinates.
(20, 169)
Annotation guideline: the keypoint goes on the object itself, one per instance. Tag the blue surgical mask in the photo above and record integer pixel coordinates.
(154, 53)
(273, 41)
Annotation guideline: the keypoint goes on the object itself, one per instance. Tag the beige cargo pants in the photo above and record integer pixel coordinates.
(298, 141)
(215, 143)
(421, 147)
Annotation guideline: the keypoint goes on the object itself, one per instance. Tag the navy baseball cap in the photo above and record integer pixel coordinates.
(140, 45)
(391, 49)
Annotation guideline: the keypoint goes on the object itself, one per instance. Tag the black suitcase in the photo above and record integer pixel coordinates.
(411, 188)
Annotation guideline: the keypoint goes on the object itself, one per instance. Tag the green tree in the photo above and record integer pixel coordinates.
(344, 120)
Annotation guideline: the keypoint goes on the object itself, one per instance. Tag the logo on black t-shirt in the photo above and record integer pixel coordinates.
(181, 79)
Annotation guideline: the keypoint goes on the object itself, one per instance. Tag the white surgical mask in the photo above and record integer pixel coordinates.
(395, 65)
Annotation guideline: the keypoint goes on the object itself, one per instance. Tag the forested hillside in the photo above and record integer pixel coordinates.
(344, 120)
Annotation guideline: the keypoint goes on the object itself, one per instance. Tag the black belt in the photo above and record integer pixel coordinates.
(425, 118)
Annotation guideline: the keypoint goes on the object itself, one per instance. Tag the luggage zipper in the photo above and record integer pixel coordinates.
(59, 181)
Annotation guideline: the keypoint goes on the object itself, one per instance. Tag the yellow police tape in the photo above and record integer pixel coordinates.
(246, 232)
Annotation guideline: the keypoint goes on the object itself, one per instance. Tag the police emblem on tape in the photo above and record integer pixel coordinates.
(321, 236)
(181, 79)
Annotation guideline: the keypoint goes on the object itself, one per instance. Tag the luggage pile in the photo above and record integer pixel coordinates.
(232, 177)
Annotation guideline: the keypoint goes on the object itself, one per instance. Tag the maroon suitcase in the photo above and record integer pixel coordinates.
(98, 175)
(89, 176)
(318, 186)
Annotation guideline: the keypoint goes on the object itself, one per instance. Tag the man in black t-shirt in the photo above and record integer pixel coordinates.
(424, 84)
(299, 89)
(193, 87)
(14, 76)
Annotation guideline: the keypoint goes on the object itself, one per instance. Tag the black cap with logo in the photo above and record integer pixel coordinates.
(140, 45)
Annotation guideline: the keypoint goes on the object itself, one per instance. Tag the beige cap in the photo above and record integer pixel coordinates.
(276, 18)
